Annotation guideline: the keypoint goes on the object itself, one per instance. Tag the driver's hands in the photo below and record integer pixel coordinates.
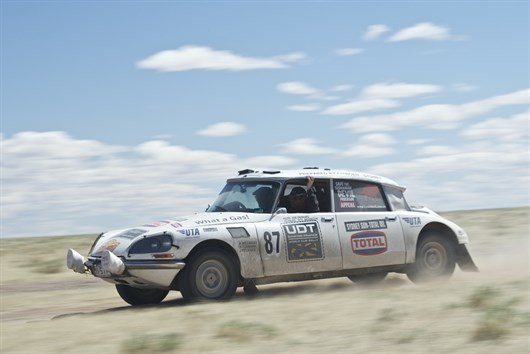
(310, 181)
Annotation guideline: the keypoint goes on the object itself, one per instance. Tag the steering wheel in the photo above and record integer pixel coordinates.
(235, 206)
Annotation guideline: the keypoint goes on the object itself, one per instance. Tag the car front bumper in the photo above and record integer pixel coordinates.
(115, 269)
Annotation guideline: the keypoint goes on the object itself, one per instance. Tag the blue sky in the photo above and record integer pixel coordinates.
(71, 74)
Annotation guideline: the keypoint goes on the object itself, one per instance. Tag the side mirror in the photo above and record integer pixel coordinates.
(278, 211)
(208, 207)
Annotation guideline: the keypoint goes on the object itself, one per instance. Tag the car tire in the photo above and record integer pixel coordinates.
(211, 274)
(368, 279)
(435, 259)
(138, 296)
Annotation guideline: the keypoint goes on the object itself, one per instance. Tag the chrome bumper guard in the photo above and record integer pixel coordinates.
(109, 265)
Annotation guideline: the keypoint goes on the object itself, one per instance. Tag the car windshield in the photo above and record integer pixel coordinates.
(246, 196)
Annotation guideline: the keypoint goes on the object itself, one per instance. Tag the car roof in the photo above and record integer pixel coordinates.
(315, 172)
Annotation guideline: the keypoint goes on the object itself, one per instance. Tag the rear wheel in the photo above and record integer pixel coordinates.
(137, 296)
(368, 279)
(435, 259)
(210, 274)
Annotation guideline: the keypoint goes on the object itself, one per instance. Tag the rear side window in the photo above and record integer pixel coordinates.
(358, 196)
(396, 198)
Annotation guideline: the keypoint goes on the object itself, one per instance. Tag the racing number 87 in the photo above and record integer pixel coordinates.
(269, 247)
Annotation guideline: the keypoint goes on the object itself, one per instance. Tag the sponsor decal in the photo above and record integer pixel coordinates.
(247, 246)
(345, 195)
(304, 241)
(176, 225)
(110, 245)
(297, 219)
(156, 223)
(413, 221)
(365, 225)
(224, 219)
(190, 232)
(131, 233)
(369, 243)
(210, 229)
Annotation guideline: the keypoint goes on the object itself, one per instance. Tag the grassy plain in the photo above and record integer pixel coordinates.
(48, 309)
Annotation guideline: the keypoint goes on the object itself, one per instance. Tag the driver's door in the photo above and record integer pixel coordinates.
(301, 242)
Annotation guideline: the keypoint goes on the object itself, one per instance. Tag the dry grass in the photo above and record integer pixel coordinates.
(151, 343)
(242, 332)
(48, 309)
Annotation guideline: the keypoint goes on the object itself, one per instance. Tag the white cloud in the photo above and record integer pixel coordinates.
(53, 183)
(377, 139)
(305, 146)
(192, 57)
(463, 87)
(381, 95)
(344, 52)
(360, 105)
(322, 97)
(398, 90)
(370, 146)
(514, 128)
(417, 141)
(435, 150)
(479, 175)
(296, 88)
(223, 129)
(375, 31)
(423, 30)
(436, 116)
(341, 88)
(311, 107)
(265, 162)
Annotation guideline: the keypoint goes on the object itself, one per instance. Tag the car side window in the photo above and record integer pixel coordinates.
(322, 192)
(357, 196)
(396, 198)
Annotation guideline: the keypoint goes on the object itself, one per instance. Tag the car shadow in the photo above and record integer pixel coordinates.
(264, 292)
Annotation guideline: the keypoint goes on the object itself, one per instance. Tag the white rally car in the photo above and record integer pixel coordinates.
(362, 229)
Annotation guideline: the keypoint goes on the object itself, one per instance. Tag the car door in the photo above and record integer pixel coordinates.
(370, 233)
(301, 242)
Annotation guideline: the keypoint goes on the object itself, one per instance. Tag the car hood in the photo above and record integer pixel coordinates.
(118, 241)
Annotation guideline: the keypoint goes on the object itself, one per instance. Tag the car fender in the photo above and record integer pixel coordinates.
(415, 222)
(412, 229)
(241, 238)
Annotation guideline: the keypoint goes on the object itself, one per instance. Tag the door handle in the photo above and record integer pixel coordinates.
(390, 218)
(326, 219)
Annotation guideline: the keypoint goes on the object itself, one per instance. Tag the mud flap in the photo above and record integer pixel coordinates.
(464, 260)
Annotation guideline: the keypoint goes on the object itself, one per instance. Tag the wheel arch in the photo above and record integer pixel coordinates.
(215, 243)
(437, 227)
(209, 244)
(463, 258)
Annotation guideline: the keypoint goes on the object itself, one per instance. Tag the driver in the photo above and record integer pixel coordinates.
(265, 198)
(301, 201)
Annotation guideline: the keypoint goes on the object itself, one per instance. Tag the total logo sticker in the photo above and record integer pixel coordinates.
(368, 243)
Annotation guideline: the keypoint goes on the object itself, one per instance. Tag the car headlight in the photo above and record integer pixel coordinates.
(153, 244)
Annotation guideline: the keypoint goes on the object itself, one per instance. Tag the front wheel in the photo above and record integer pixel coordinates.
(137, 296)
(435, 259)
(211, 274)
(368, 279)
